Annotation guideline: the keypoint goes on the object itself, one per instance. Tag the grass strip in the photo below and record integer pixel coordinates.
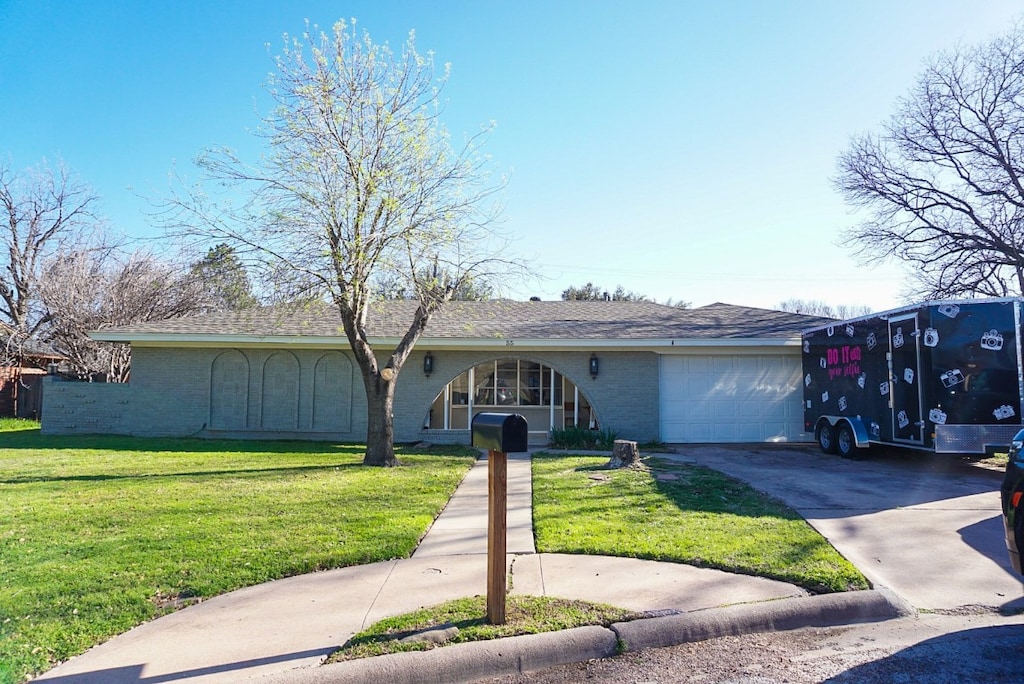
(99, 534)
(523, 615)
(683, 514)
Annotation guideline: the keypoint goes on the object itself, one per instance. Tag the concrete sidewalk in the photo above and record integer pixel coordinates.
(282, 630)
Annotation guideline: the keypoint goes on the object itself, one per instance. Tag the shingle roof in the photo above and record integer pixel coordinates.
(502, 319)
(31, 348)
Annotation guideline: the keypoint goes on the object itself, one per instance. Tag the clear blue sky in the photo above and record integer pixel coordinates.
(680, 149)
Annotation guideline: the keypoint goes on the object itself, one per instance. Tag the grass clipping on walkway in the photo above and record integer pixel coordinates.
(100, 534)
(466, 620)
(680, 513)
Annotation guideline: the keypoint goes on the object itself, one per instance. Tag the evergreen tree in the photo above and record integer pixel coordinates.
(224, 280)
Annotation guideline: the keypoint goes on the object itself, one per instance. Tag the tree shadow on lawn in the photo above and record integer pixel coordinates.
(235, 472)
(698, 489)
(34, 439)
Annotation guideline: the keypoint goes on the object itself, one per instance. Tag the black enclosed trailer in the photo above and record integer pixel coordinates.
(941, 376)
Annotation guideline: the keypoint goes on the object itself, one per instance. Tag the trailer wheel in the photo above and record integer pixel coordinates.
(846, 446)
(827, 438)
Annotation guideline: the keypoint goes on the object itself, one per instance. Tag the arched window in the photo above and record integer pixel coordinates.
(538, 392)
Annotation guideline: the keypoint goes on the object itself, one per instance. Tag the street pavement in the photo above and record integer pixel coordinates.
(927, 649)
(280, 632)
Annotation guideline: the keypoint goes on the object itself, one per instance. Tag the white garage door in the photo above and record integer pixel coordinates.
(736, 398)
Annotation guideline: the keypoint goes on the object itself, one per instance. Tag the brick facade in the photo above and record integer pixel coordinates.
(318, 393)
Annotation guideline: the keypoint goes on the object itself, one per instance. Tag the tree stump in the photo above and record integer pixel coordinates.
(625, 454)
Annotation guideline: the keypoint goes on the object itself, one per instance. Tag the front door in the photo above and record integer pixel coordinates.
(905, 380)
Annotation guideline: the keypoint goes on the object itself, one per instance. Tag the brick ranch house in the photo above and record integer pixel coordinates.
(717, 373)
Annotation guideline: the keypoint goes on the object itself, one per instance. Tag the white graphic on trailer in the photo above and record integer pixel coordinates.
(951, 377)
(931, 337)
(992, 340)
(937, 416)
(901, 417)
(908, 376)
(949, 310)
(872, 341)
(1003, 412)
(898, 339)
(883, 388)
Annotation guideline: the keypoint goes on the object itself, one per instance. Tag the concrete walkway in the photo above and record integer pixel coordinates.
(282, 630)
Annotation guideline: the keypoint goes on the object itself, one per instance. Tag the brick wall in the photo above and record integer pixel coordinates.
(624, 394)
(177, 392)
(72, 408)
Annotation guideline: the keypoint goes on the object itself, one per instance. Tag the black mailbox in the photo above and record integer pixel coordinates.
(505, 432)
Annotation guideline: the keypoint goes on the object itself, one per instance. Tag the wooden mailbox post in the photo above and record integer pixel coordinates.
(500, 434)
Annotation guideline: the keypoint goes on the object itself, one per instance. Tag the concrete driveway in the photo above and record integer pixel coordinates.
(928, 527)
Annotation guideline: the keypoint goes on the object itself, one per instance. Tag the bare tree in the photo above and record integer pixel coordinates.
(360, 180)
(45, 210)
(94, 289)
(595, 293)
(816, 307)
(394, 286)
(678, 303)
(943, 183)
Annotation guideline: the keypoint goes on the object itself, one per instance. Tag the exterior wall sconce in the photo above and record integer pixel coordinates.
(428, 364)
(593, 366)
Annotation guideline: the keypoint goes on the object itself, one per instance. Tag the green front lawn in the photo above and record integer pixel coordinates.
(99, 534)
(683, 514)
(670, 512)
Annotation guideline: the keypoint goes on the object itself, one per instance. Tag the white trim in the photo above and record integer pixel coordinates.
(551, 398)
(514, 346)
(575, 404)
(910, 308)
(447, 406)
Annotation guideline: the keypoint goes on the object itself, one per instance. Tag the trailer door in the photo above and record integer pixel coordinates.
(905, 380)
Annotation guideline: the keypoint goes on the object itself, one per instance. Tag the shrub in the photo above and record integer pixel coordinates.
(575, 437)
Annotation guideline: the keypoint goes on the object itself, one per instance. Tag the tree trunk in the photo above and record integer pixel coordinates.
(380, 429)
(625, 454)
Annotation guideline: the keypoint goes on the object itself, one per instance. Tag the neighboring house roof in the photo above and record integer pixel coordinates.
(28, 350)
(494, 323)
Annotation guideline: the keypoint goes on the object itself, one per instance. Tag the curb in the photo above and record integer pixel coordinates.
(478, 660)
(466, 662)
(824, 610)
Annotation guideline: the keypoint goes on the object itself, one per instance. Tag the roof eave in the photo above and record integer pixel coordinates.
(213, 340)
